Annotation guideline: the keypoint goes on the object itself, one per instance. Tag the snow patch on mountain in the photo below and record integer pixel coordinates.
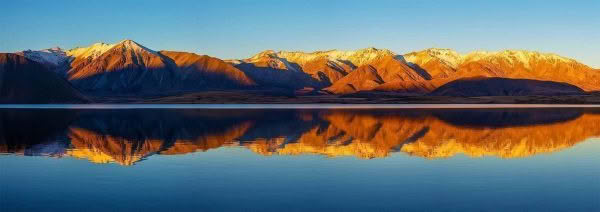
(357, 58)
(54, 56)
(94, 51)
(271, 58)
(446, 56)
(136, 47)
(454, 59)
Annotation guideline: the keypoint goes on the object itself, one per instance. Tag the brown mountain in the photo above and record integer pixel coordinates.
(318, 69)
(392, 74)
(326, 71)
(194, 70)
(495, 86)
(126, 67)
(438, 63)
(445, 65)
(23, 81)
(422, 72)
(364, 78)
(270, 70)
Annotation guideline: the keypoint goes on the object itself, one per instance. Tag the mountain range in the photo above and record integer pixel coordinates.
(128, 68)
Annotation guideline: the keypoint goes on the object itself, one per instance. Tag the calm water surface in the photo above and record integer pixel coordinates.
(352, 159)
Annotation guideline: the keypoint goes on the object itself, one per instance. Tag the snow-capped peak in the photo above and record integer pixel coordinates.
(130, 44)
(446, 56)
(93, 51)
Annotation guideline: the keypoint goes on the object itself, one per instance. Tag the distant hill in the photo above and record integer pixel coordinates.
(23, 81)
(495, 86)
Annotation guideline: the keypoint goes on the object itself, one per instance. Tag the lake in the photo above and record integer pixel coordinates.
(308, 158)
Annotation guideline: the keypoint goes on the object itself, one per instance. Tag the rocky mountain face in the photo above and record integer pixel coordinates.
(24, 81)
(299, 69)
(413, 73)
(197, 71)
(126, 67)
(363, 78)
(445, 65)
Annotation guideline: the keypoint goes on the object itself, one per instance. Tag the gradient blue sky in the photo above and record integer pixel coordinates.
(239, 29)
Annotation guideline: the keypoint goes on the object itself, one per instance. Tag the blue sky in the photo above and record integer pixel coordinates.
(239, 29)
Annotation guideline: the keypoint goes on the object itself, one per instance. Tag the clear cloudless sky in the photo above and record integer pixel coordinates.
(239, 29)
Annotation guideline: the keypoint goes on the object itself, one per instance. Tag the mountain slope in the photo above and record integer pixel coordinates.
(447, 65)
(494, 86)
(86, 54)
(326, 71)
(394, 76)
(269, 70)
(195, 72)
(318, 69)
(438, 63)
(365, 78)
(23, 81)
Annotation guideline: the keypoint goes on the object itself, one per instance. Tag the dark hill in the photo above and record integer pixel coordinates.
(495, 86)
(23, 81)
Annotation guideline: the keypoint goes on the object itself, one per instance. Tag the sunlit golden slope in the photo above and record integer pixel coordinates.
(445, 65)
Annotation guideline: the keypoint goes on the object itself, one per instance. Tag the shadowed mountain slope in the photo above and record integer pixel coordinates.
(494, 86)
(197, 71)
(23, 81)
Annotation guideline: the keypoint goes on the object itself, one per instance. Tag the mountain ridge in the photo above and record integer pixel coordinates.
(129, 67)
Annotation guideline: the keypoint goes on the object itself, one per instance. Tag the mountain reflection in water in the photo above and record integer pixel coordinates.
(128, 136)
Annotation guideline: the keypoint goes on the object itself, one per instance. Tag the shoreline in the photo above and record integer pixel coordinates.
(291, 106)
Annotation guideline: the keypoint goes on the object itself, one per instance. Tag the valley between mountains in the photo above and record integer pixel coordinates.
(128, 72)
